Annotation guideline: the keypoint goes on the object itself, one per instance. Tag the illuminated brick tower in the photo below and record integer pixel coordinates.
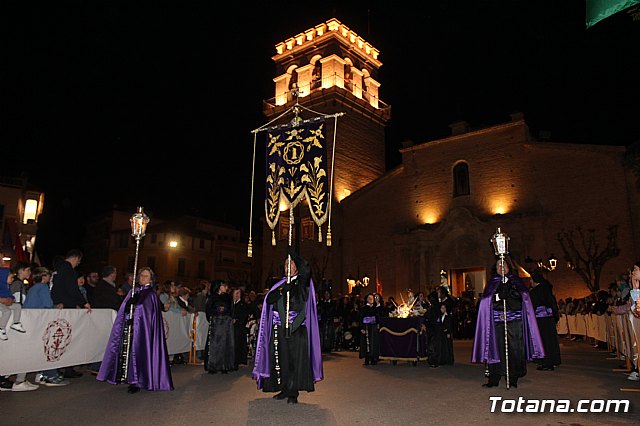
(331, 69)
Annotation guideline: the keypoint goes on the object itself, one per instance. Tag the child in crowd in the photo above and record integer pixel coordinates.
(21, 272)
(39, 297)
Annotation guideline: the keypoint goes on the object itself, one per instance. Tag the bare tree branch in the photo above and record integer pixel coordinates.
(589, 260)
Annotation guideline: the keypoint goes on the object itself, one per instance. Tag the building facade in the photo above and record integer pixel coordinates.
(438, 210)
(20, 207)
(186, 250)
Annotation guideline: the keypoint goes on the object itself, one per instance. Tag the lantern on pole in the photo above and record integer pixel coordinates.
(500, 242)
(139, 222)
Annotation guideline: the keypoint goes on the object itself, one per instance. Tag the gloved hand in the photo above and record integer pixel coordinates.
(132, 301)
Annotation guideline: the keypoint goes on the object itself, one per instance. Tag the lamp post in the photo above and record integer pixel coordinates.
(500, 243)
(139, 222)
(553, 263)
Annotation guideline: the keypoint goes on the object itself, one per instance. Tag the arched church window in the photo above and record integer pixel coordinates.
(293, 80)
(461, 179)
(316, 75)
(348, 77)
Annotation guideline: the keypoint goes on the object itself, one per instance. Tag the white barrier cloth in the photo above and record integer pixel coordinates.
(56, 338)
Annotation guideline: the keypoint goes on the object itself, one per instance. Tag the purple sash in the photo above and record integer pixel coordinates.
(543, 312)
(498, 316)
(292, 316)
(369, 320)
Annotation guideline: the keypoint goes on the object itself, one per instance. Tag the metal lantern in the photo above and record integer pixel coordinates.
(553, 262)
(139, 222)
(500, 243)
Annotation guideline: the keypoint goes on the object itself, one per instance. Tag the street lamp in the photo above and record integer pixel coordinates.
(139, 222)
(365, 280)
(553, 263)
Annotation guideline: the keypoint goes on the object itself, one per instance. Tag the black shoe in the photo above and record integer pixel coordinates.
(366, 363)
(280, 395)
(72, 374)
(133, 389)
(489, 385)
(6, 384)
(212, 371)
(292, 400)
(513, 385)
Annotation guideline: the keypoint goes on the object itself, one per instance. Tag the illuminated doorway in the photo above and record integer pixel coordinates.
(468, 282)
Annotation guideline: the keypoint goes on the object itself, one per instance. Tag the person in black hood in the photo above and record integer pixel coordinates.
(547, 316)
(219, 352)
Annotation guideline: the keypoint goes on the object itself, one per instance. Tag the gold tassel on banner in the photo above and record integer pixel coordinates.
(250, 249)
(329, 237)
(273, 238)
(319, 234)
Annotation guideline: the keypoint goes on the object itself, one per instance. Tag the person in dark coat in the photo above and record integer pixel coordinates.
(432, 328)
(370, 334)
(240, 314)
(547, 316)
(65, 282)
(105, 293)
(326, 314)
(65, 291)
(444, 330)
(219, 352)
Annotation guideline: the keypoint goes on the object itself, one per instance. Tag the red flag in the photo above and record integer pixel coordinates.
(378, 283)
(21, 256)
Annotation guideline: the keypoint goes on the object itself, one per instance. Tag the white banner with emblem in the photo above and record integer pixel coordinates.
(58, 338)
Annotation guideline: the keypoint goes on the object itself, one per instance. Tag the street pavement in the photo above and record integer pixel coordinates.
(350, 394)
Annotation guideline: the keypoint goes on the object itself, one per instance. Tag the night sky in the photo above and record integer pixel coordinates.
(114, 103)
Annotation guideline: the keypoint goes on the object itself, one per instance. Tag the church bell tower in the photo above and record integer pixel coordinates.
(330, 69)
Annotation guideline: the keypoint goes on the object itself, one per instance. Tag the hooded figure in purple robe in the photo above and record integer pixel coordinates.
(148, 366)
(524, 342)
(288, 357)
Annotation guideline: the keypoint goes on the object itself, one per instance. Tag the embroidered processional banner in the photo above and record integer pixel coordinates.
(296, 170)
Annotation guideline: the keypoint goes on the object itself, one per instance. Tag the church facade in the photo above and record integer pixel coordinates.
(432, 217)
(438, 210)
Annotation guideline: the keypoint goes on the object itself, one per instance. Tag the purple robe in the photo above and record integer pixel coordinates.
(149, 366)
(261, 369)
(485, 345)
